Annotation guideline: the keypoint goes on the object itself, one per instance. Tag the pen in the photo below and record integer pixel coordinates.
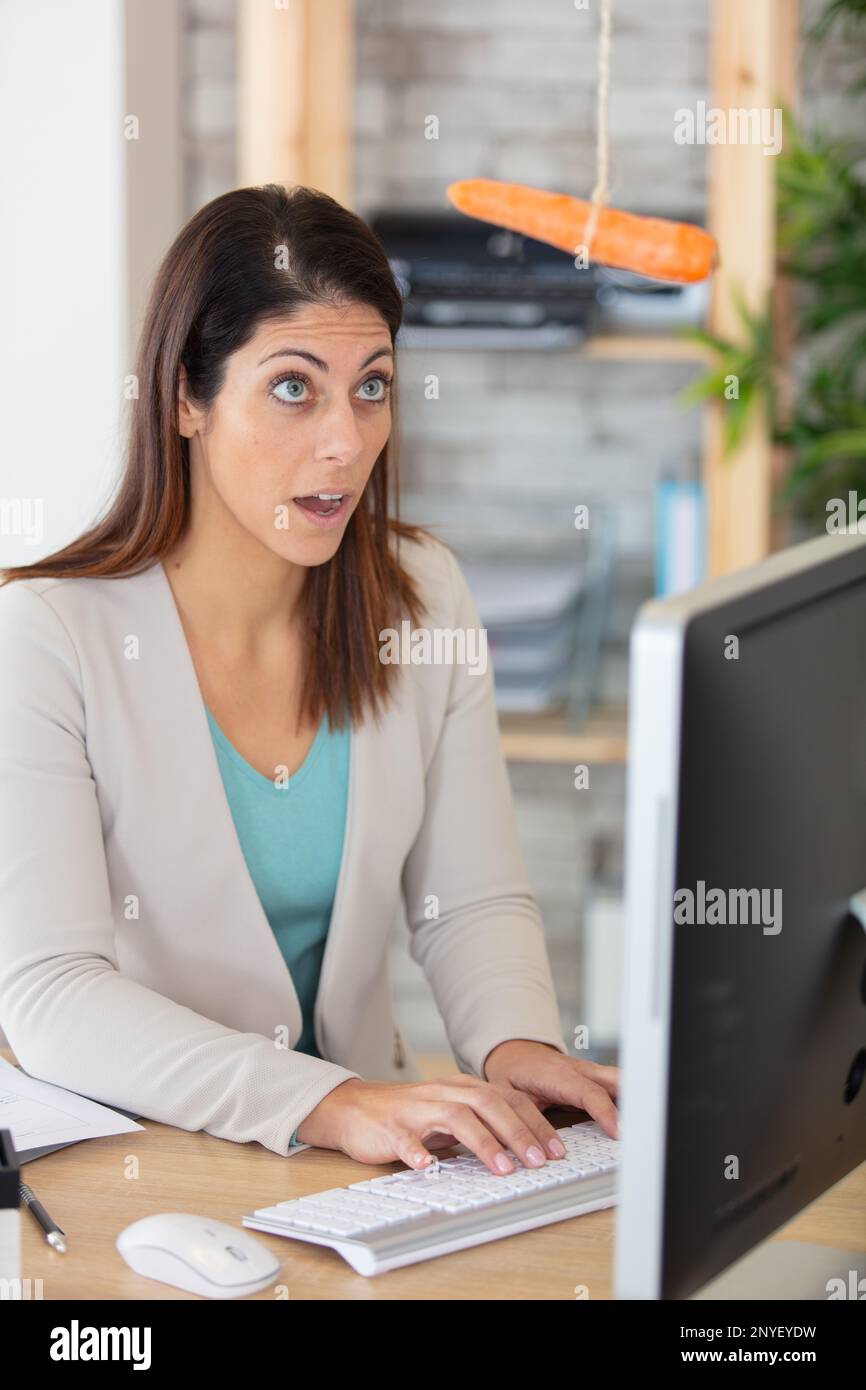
(53, 1233)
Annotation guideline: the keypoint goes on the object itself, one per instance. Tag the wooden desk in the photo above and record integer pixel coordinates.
(88, 1190)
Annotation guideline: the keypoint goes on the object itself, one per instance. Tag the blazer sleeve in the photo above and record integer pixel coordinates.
(484, 954)
(70, 1016)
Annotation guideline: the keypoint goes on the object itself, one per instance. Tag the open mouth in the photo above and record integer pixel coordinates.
(323, 504)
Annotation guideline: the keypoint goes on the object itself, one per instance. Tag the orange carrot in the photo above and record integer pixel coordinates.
(646, 245)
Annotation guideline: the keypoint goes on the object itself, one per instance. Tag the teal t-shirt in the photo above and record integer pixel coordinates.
(291, 835)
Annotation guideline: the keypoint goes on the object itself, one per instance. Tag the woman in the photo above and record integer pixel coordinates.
(218, 794)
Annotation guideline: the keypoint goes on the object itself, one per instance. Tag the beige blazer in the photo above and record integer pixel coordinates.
(137, 965)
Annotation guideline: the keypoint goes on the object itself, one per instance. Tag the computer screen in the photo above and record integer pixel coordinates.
(744, 1047)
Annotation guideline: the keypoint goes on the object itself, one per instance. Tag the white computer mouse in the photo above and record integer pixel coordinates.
(195, 1253)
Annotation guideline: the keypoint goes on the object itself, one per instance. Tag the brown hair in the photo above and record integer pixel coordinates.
(216, 285)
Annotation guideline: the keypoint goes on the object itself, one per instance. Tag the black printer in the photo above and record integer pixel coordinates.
(470, 284)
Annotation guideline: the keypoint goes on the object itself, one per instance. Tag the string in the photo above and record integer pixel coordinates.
(601, 191)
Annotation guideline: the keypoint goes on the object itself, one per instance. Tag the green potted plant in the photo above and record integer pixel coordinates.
(821, 229)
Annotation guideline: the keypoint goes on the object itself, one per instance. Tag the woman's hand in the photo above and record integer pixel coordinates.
(378, 1122)
(547, 1077)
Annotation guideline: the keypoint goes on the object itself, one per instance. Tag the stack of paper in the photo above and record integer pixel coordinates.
(44, 1117)
(530, 613)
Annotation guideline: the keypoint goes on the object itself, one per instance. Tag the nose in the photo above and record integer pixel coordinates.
(339, 437)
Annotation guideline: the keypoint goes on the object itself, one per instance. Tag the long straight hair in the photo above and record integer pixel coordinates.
(217, 283)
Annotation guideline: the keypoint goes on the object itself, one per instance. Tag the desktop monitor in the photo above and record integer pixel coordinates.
(744, 1041)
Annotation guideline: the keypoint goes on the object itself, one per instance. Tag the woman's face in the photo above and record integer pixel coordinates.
(305, 409)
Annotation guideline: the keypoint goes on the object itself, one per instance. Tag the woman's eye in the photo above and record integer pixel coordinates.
(295, 387)
(380, 381)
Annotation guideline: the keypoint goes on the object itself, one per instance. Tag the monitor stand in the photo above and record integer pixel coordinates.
(791, 1269)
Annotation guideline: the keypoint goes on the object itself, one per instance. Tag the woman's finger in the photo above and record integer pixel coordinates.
(597, 1103)
(409, 1147)
(608, 1077)
(544, 1131)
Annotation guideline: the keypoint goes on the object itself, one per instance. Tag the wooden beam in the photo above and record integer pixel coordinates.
(296, 90)
(753, 68)
(784, 317)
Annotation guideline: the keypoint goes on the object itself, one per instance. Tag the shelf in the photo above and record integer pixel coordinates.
(604, 347)
(535, 738)
(637, 347)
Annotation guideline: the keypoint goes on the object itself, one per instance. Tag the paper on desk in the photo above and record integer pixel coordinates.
(39, 1114)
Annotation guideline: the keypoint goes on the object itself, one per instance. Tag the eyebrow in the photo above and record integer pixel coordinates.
(317, 361)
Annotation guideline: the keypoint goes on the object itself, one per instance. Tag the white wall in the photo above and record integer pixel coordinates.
(63, 274)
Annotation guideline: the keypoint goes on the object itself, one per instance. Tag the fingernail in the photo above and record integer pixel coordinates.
(534, 1154)
(503, 1163)
(556, 1148)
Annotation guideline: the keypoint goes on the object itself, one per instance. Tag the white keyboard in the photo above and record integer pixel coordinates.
(401, 1218)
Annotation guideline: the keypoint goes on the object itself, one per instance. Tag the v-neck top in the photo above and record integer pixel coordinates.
(291, 832)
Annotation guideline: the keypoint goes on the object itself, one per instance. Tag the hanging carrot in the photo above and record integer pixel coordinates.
(649, 246)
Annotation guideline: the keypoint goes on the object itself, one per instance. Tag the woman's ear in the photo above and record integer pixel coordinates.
(187, 415)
